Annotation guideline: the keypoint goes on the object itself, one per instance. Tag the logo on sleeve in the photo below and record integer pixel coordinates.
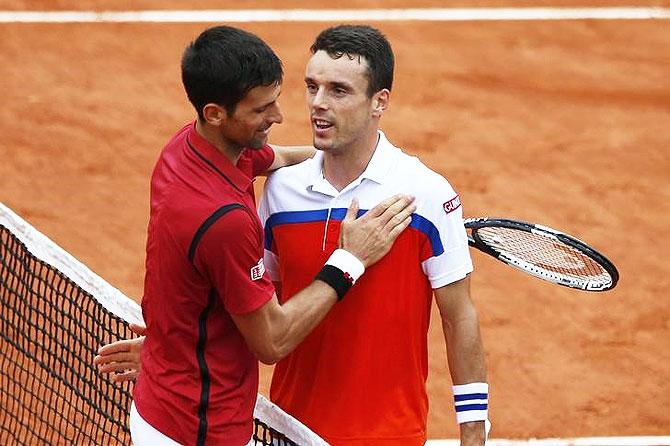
(452, 204)
(258, 271)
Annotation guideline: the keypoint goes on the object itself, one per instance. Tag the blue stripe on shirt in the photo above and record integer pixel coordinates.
(419, 223)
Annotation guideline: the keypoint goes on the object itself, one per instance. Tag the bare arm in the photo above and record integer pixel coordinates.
(274, 330)
(465, 351)
(289, 155)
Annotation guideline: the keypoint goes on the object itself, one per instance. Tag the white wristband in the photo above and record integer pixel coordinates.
(347, 262)
(471, 402)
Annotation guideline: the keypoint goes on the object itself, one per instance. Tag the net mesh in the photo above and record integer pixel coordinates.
(55, 314)
(545, 253)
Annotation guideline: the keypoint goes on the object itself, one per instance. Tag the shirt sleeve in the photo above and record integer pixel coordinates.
(230, 254)
(451, 261)
(261, 159)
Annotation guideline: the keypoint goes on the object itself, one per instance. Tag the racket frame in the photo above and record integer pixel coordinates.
(573, 282)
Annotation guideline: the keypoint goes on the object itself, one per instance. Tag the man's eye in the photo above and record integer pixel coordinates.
(311, 88)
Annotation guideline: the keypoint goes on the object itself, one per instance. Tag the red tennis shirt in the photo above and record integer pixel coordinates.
(359, 379)
(203, 263)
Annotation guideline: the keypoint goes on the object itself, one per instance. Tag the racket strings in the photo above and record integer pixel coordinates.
(544, 252)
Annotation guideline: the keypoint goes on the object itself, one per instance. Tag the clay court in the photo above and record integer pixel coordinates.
(564, 123)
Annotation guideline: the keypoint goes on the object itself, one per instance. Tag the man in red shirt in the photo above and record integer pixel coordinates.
(210, 309)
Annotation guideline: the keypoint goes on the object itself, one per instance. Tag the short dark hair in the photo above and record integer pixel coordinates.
(360, 40)
(223, 64)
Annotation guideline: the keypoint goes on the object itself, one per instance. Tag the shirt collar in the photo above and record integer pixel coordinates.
(217, 160)
(376, 170)
(381, 160)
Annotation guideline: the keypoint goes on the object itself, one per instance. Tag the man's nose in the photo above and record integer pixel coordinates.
(276, 117)
(319, 99)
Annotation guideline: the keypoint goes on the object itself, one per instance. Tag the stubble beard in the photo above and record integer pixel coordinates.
(256, 143)
(326, 146)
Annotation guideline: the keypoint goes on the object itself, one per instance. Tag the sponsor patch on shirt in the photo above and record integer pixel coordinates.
(452, 204)
(258, 271)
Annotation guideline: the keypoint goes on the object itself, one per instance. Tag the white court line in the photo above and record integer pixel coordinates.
(585, 441)
(334, 15)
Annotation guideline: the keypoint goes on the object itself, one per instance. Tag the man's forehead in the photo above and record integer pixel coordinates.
(345, 61)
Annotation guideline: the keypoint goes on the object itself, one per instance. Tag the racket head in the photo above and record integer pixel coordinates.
(543, 252)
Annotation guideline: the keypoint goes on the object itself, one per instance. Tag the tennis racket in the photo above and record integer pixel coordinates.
(543, 252)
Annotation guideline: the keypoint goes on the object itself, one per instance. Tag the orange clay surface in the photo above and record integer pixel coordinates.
(561, 123)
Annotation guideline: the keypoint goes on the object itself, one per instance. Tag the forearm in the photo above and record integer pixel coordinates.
(274, 330)
(465, 351)
(299, 316)
(465, 354)
(466, 365)
(289, 155)
(288, 324)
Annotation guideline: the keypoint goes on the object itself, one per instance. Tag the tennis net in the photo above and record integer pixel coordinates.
(55, 314)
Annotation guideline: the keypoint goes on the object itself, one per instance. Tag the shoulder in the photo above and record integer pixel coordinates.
(435, 197)
(291, 175)
(423, 181)
(231, 226)
(231, 219)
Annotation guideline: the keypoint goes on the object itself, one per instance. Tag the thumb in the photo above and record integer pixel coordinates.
(137, 329)
(352, 212)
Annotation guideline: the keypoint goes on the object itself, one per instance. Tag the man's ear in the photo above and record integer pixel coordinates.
(380, 102)
(214, 114)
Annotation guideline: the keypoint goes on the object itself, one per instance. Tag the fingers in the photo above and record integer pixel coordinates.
(117, 367)
(124, 345)
(105, 359)
(387, 215)
(382, 206)
(121, 358)
(389, 207)
(397, 229)
(371, 236)
(114, 347)
(399, 220)
(123, 365)
(352, 212)
(397, 207)
(138, 329)
(130, 375)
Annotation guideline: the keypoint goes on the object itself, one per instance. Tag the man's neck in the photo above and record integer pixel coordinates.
(344, 166)
(212, 136)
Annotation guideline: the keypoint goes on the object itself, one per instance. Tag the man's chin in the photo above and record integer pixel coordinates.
(320, 144)
(257, 143)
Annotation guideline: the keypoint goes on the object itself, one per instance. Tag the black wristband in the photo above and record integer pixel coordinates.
(336, 278)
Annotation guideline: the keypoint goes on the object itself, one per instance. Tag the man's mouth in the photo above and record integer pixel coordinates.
(321, 124)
